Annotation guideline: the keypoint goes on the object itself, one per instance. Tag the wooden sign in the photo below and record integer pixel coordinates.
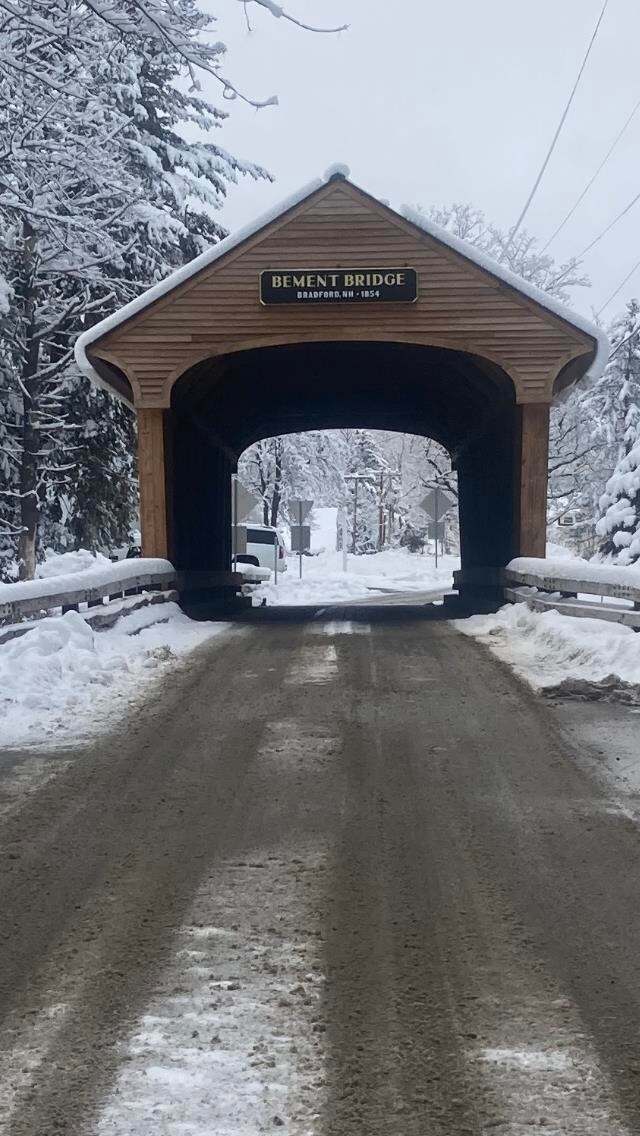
(303, 286)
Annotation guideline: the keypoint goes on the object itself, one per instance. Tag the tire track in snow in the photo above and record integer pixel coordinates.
(232, 1039)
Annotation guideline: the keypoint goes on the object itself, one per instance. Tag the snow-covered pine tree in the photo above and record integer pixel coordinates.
(186, 183)
(63, 194)
(619, 524)
(97, 197)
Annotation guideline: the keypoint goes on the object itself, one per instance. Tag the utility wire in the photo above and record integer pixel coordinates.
(556, 135)
(575, 259)
(596, 240)
(593, 178)
(619, 289)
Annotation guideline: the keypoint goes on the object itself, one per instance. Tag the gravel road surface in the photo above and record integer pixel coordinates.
(340, 878)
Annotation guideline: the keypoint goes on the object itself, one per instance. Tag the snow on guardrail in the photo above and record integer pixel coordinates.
(91, 585)
(554, 583)
(592, 578)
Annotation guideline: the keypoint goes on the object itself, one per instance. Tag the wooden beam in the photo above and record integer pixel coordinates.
(534, 460)
(151, 476)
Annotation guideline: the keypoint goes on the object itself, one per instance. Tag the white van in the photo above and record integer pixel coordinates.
(264, 544)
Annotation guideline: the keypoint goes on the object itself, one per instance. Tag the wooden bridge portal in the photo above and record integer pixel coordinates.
(337, 311)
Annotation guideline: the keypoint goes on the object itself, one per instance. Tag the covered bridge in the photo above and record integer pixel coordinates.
(336, 311)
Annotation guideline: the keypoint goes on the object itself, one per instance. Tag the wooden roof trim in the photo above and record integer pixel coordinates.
(449, 247)
(387, 214)
(409, 227)
(182, 288)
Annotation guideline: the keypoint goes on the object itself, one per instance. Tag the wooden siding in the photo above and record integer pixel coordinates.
(459, 306)
(151, 475)
(534, 460)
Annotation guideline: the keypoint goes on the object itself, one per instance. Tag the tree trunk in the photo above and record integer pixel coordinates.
(276, 496)
(29, 505)
(263, 484)
(29, 499)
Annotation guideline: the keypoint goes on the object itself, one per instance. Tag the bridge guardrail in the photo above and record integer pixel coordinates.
(545, 585)
(112, 582)
(37, 598)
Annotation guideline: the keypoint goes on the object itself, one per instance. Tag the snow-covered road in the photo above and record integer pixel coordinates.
(333, 878)
(324, 579)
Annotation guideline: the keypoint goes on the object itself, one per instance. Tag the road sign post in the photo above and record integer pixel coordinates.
(435, 543)
(436, 504)
(343, 529)
(301, 509)
(242, 504)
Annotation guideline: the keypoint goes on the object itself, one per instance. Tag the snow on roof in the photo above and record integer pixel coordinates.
(337, 172)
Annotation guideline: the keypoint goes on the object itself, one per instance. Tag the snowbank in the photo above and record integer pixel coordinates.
(324, 581)
(548, 649)
(561, 552)
(68, 563)
(62, 681)
(324, 528)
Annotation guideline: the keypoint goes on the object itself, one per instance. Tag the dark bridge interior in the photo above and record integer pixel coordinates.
(222, 405)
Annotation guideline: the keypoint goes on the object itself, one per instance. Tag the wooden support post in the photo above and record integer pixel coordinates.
(534, 460)
(151, 475)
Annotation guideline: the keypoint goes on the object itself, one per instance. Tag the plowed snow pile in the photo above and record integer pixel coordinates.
(558, 654)
(62, 680)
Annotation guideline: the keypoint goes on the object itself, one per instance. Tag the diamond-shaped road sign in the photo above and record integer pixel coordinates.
(437, 503)
(300, 509)
(243, 502)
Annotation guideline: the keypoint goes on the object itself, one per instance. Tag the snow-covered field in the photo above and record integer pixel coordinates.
(325, 581)
(548, 649)
(62, 680)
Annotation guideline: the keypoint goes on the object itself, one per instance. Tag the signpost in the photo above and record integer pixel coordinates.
(343, 529)
(242, 503)
(436, 504)
(305, 286)
(300, 532)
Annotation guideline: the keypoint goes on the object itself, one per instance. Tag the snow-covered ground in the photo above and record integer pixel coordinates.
(325, 581)
(66, 563)
(62, 680)
(548, 649)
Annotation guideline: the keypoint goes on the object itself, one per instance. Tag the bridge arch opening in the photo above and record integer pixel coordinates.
(223, 404)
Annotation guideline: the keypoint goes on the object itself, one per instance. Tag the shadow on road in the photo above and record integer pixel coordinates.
(359, 611)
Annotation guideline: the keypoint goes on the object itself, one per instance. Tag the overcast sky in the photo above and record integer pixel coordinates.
(435, 101)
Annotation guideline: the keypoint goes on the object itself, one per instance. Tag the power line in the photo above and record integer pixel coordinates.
(621, 214)
(619, 288)
(556, 135)
(574, 259)
(593, 178)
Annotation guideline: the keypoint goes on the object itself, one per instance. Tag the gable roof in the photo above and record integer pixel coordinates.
(422, 223)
